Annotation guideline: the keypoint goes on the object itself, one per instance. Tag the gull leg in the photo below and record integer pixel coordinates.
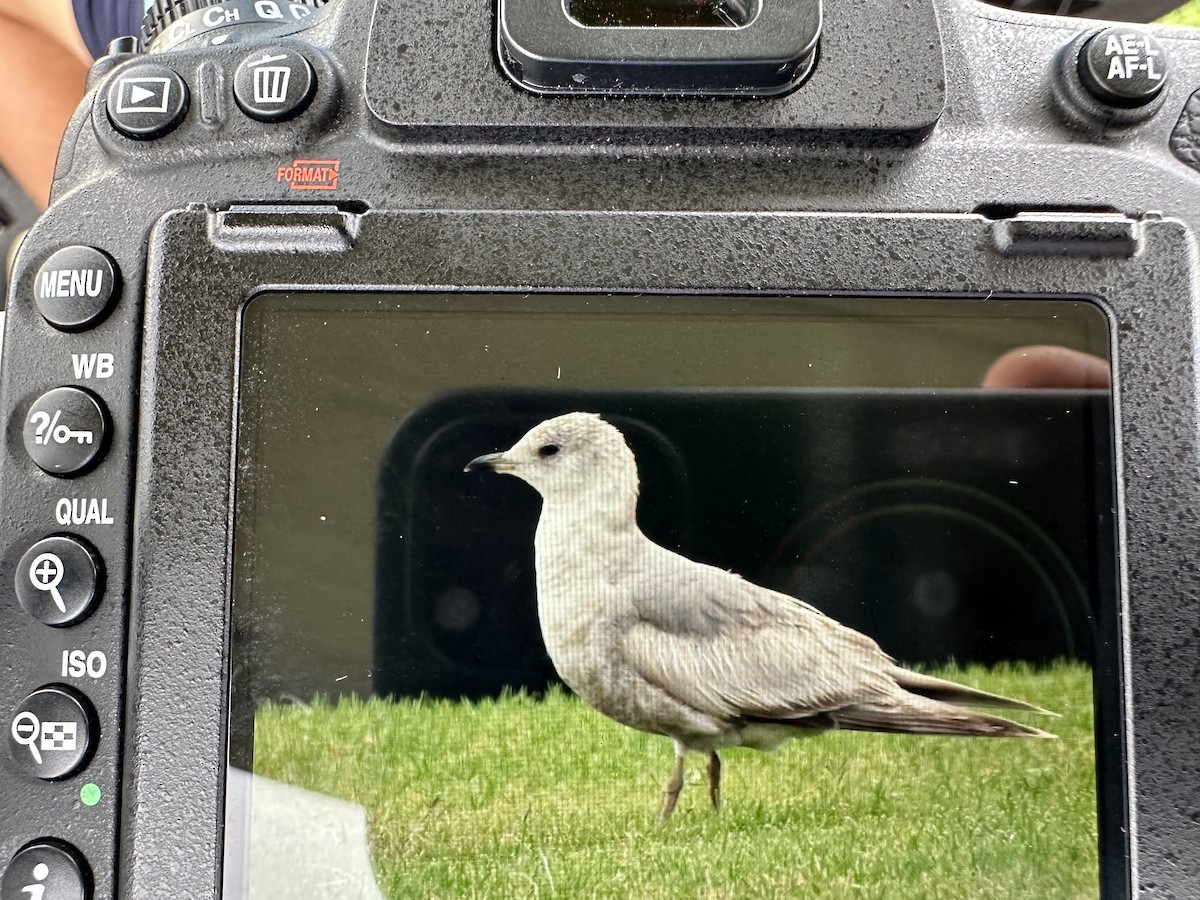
(675, 785)
(714, 779)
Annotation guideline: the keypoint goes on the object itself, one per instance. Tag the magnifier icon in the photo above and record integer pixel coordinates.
(25, 729)
(46, 574)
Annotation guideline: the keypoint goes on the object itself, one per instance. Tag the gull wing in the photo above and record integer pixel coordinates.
(732, 649)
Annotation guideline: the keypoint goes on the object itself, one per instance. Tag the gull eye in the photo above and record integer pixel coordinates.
(548, 450)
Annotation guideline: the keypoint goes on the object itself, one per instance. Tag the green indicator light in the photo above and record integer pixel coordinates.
(90, 794)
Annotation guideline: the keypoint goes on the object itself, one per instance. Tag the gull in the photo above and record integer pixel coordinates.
(674, 647)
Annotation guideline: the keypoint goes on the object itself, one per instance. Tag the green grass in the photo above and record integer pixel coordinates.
(526, 798)
(1188, 14)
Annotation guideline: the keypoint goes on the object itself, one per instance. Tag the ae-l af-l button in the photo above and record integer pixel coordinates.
(1123, 67)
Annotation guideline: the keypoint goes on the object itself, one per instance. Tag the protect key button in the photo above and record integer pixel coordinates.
(66, 431)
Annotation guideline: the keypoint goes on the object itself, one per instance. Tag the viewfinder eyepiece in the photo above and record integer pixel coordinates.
(663, 13)
(701, 48)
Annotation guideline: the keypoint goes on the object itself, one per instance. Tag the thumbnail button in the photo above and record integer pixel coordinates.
(273, 84)
(66, 431)
(46, 870)
(50, 735)
(146, 101)
(58, 580)
(75, 288)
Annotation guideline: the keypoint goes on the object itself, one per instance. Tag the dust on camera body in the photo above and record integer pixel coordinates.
(850, 278)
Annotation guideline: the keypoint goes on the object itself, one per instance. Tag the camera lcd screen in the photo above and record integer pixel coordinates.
(930, 479)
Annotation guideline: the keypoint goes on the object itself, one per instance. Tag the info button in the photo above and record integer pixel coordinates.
(47, 869)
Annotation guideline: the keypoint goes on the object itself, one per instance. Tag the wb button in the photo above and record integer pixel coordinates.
(146, 101)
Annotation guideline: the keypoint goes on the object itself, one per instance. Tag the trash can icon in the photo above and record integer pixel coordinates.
(271, 82)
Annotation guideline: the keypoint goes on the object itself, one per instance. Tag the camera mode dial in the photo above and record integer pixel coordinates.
(169, 23)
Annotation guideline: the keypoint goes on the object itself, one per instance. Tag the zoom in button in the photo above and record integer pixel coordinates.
(66, 431)
(59, 580)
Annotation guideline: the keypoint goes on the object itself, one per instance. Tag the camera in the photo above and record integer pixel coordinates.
(894, 309)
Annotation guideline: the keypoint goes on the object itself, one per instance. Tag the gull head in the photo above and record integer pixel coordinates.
(568, 457)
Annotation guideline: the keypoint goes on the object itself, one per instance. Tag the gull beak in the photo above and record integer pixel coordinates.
(494, 461)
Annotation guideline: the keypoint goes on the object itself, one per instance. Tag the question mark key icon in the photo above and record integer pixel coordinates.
(59, 579)
(67, 431)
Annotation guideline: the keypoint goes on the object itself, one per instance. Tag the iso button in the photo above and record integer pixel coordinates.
(58, 580)
(52, 733)
(1123, 67)
(76, 287)
(146, 101)
(66, 431)
(274, 84)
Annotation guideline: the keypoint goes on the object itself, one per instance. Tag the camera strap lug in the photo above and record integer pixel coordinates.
(1069, 234)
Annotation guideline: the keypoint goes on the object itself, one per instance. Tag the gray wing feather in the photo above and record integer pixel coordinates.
(732, 649)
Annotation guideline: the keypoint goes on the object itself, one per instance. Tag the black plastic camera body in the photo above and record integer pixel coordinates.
(536, 158)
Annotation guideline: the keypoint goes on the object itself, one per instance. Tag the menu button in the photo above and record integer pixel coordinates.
(75, 288)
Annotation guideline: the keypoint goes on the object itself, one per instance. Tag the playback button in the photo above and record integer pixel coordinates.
(66, 431)
(146, 101)
(59, 580)
(52, 733)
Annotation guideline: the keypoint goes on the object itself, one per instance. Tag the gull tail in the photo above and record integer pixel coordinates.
(917, 715)
(958, 694)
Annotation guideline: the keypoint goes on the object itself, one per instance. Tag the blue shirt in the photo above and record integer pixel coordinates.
(100, 21)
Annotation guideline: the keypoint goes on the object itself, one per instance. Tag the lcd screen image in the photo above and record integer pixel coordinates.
(674, 596)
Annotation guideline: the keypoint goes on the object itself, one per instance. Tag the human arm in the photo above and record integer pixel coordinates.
(43, 64)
